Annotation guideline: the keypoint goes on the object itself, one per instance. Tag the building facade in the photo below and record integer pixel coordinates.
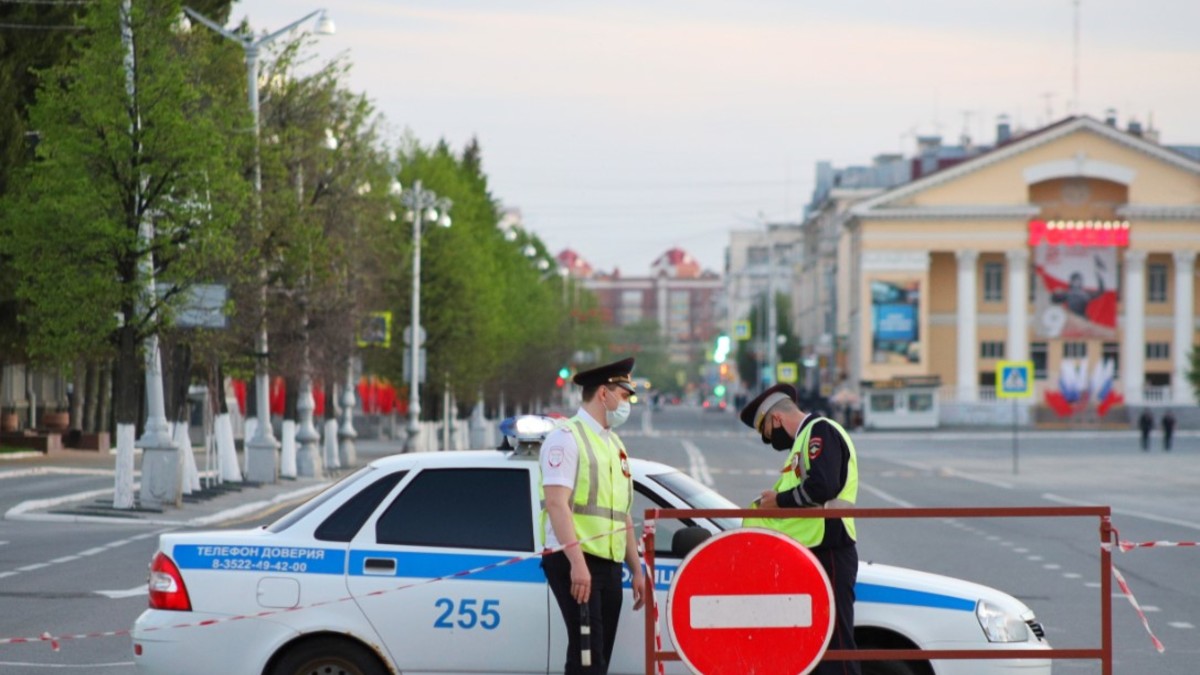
(679, 296)
(758, 262)
(1073, 247)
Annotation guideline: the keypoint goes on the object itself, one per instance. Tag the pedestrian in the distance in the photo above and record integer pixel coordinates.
(587, 489)
(821, 470)
(1168, 425)
(1146, 424)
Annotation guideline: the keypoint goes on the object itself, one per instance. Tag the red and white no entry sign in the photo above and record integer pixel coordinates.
(750, 601)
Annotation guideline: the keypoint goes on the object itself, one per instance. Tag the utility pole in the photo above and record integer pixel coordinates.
(772, 313)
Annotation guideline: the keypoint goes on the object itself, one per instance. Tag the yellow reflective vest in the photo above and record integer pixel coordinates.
(811, 531)
(603, 494)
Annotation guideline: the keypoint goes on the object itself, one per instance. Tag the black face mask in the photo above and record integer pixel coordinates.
(781, 439)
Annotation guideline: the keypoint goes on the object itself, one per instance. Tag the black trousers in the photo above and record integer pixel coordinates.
(604, 608)
(841, 564)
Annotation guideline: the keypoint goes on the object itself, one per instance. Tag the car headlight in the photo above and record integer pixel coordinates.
(1000, 626)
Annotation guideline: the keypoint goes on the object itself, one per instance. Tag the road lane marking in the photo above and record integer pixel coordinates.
(128, 593)
(1125, 512)
(948, 472)
(82, 554)
(697, 465)
(885, 496)
(1180, 624)
(780, 610)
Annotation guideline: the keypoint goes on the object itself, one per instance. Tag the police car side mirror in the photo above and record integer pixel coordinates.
(683, 541)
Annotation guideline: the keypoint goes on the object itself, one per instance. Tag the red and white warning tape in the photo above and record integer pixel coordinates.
(1124, 547)
(649, 527)
(54, 640)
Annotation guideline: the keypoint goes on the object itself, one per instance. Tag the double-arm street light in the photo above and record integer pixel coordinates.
(260, 450)
(424, 206)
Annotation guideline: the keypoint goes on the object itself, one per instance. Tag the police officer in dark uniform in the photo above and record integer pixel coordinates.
(587, 526)
(821, 471)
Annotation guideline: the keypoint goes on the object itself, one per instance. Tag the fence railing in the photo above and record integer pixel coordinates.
(1103, 653)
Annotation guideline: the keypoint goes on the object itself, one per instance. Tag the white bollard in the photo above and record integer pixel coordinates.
(287, 457)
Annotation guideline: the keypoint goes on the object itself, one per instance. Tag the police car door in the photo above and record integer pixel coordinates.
(445, 522)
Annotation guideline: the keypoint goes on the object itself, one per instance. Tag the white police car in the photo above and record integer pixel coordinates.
(361, 580)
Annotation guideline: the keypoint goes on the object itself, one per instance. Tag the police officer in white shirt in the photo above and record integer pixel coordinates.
(587, 490)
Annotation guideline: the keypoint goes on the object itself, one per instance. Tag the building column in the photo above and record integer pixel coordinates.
(1133, 342)
(1183, 343)
(968, 379)
(1016, 346)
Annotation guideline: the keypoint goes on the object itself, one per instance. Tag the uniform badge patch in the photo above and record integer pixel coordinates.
(625, 465)
(814, 448)
(555, 459)
(797, 466)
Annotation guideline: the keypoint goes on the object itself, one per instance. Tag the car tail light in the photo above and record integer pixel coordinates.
(167, 590)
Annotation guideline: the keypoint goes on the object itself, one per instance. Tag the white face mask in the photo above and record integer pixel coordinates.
(616, 418)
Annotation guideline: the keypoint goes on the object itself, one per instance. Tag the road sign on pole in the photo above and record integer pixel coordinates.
(787, 372)
(1014, 379)
(741, 330)
(750, 601)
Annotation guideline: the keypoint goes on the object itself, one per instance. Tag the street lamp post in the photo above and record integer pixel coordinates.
(260, 450)
(423, 205)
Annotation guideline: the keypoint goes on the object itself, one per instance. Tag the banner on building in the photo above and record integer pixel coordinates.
(1075, 294)
(895, 322)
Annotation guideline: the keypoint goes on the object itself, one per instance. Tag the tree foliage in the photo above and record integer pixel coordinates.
(752, 353)
(115, 155)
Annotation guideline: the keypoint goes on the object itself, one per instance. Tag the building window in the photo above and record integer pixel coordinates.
(1156, 283)
(993, 282)
(1158, 379)
(991, 349)
(1112, 352)
(1158, 350)
(921, 402)
(757, 255)
(1037, 354)
(1074, 350)
(883, 402)
(630, 310)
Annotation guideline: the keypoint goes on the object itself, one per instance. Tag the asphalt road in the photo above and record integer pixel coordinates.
(65, 578)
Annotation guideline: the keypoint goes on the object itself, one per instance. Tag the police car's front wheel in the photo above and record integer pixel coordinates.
(328, 656)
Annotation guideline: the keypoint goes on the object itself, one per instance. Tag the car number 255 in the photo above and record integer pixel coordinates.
(464, 615)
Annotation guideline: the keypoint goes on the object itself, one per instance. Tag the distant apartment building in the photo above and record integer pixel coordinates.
(684, 300)
(757, 261)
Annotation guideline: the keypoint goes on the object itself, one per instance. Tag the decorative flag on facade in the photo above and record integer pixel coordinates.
(1076, 292)
(1077, 391)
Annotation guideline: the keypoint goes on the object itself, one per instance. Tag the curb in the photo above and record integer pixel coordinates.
(28, 510)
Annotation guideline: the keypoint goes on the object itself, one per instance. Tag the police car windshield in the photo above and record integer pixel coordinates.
(322, 497)
(697, 496)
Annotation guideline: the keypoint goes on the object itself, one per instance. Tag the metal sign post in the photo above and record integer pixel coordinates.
(1014, 380)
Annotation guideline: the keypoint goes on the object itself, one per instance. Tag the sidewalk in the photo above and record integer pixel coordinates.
(216, 503)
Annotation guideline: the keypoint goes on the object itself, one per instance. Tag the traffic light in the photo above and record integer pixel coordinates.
(719, 390)
(560, 382)
(564, 373)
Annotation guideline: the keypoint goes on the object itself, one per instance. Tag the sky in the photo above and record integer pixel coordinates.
(623, 128)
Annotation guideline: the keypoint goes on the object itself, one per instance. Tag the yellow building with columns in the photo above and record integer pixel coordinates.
(1073, 246)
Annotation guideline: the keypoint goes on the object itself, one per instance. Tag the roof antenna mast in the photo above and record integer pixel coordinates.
(1075, 65)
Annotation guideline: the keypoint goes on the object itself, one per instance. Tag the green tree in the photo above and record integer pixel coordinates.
(110, 168)
(752, 353)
